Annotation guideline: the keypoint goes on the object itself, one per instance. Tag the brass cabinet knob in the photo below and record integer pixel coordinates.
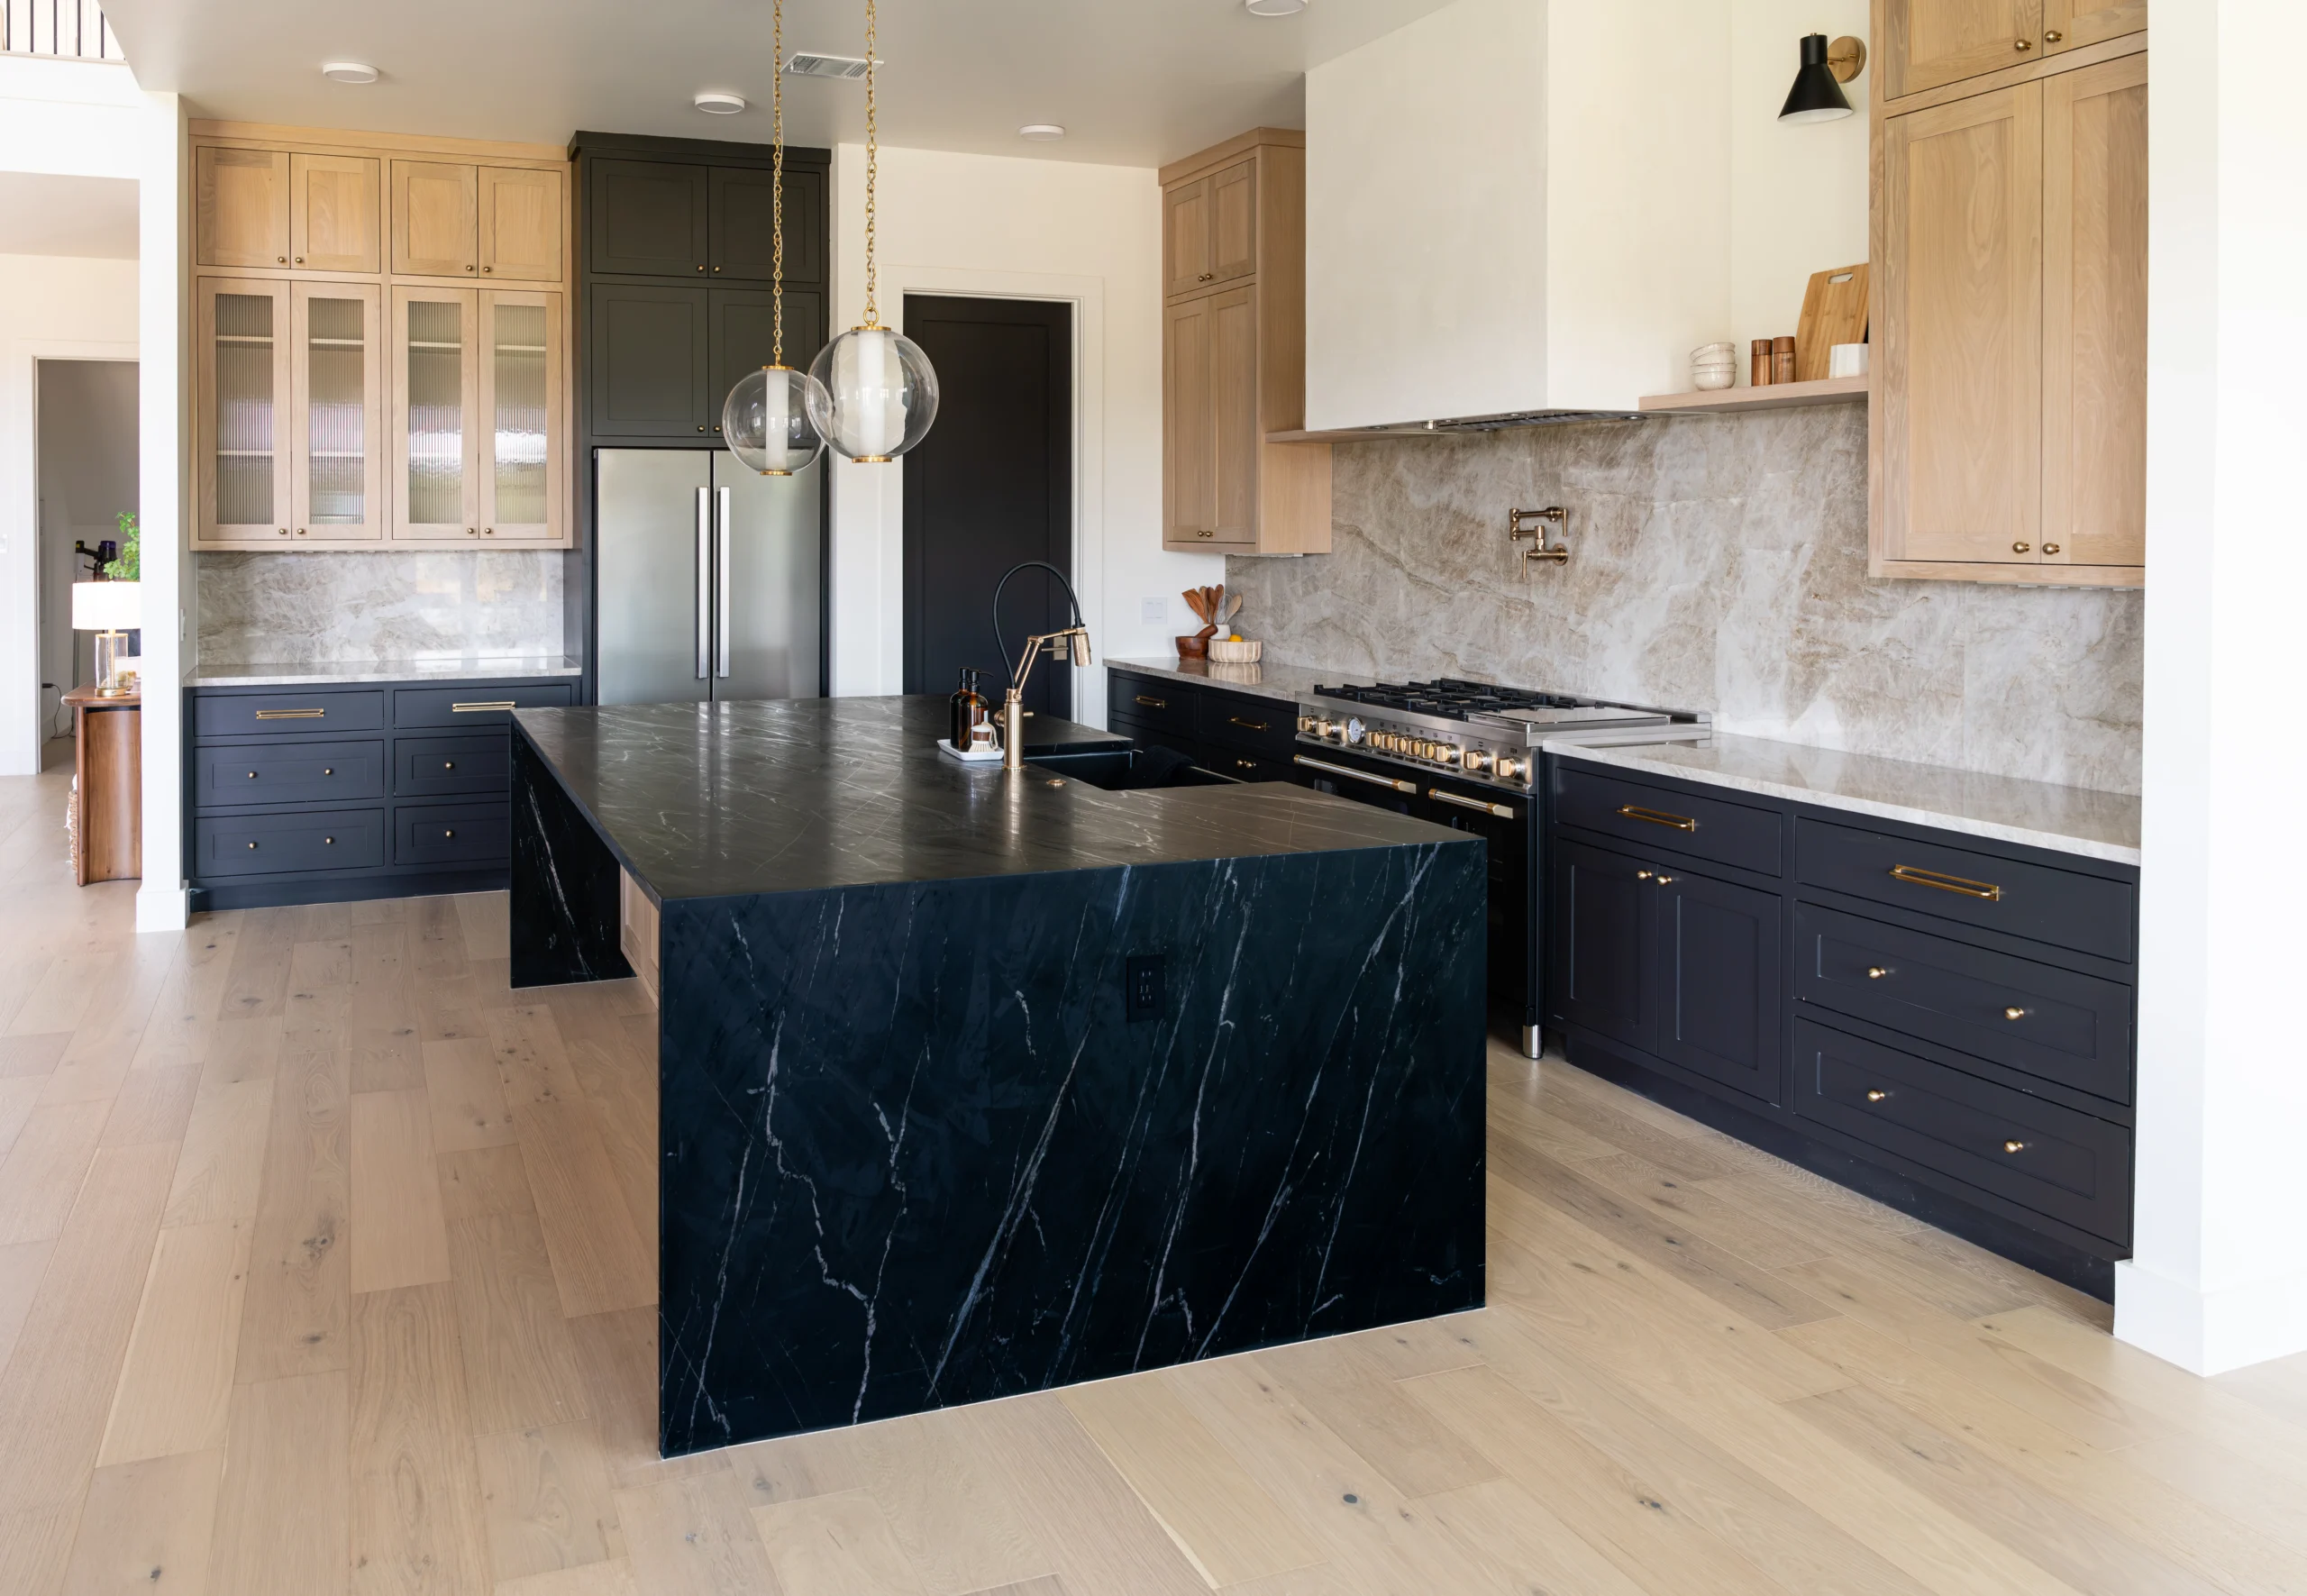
(472, 532)
(251, 847)
(700, 269)
(2053, 37)
(448, 764)
(700, 426)
(2022, 44)
(2050, 548)
(281, 261)
(329, 771)
(2014, 1147)
(251, 775)
(300, 531)
(1640, 875)
(284, 532)
(1877, 1095)
(489, 532)
(300, 260)
(468, 268)
(2022, 548)
(1877, 971)
(487, 270)
(329, 842)
(445, 832)
(1205, 277)
(2014, 1013)
(1665, 880)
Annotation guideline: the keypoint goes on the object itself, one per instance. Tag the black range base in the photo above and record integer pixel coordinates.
(977, 1083)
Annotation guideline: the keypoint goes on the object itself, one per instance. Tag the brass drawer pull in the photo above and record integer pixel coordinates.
(492, 704)
(290, 714)
(1348, 770)
(1876, 1094)
(1919, 877)
(1501, 810)
(1657, 817)
(1153, 703)
(1253, 725)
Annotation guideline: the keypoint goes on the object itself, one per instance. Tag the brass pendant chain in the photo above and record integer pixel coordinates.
(777, 189)
(872, 167)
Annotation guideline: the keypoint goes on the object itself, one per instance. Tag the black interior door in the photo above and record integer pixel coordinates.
(991, 485)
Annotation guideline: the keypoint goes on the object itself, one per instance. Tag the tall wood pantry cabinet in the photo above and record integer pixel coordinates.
(2009, 418)
(383, 332)
(1233, 353)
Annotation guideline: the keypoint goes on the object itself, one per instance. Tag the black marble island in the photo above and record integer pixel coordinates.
(977, 1082)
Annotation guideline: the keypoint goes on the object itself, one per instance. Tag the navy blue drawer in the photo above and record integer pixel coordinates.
(1162, 706)
(453, 834)
(2018, 1147)
(270, 844)
(447, 767)
(302, 771)
(240, 714)
(1654, 818)
(1260, 727)
(2074, 1030)
(2062, 907)
(476, 706)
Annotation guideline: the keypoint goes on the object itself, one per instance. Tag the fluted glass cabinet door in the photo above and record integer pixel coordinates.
(338, 431)
(435, 490)
(520, 384)
(244, 443)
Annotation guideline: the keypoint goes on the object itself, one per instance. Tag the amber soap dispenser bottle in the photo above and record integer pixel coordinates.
(968, 708)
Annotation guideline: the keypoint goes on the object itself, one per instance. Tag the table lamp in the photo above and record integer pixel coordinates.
(111, 610)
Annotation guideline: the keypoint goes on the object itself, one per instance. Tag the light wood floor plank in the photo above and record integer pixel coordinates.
(1695, 1204)
(695, 1536)
(547, 1496)
(387, 1051)
(836, 1545)
(222, 1165)
(1347, 1390)
(954, 1519)
(299, 1295)
(613, 1578)
(521, 1364)
(176, 1386)
(484, 1181)
(146, 1528)
(416, 1513)
(153, 1106)
(1500, 1521)
(21, 1267)
(598, 1261)
(468, 1098)
(398, 1236)
(42, 1172)
(284, 1515)
(242, 1050)
(32, 1055)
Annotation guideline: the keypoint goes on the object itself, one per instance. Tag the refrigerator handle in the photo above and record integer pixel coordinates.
(703, 583)
(722, 537)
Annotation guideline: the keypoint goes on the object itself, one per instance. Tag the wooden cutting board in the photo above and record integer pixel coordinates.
(1833, 311)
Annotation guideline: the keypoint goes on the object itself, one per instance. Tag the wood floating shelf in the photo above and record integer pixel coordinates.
(1777, 396)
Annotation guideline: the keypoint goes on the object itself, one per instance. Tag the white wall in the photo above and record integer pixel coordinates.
(79, 119)
(952, 223)
(2219, 1275)
(51, 307)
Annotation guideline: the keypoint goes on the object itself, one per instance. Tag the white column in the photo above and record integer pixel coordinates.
(164, 405)
(2219, 1275)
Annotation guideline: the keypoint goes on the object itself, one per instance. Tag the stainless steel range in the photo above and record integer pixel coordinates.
(1477, 730)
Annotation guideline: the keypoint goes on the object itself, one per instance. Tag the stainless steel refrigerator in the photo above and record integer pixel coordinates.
(709, 580)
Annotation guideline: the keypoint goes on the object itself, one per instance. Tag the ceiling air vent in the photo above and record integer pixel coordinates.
(804, 64)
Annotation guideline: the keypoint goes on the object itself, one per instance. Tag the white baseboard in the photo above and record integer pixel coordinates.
(2211, 1332)
(162, 908)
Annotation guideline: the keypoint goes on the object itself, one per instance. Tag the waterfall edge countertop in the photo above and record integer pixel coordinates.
(722, 800)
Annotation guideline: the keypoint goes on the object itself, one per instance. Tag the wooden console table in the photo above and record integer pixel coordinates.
(108, 797)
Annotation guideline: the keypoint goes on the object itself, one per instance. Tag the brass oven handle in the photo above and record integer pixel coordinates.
(1657, 817)
(1501, 810)
(492, 704)
(1323, 764)
(1919, 877)
(290, 714)
(1253, 725)
(1153, 703)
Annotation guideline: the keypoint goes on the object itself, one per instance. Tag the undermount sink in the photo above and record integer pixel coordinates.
(1130, 769)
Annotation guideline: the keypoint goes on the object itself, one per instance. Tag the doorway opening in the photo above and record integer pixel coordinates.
(990, 485)
(85, 466)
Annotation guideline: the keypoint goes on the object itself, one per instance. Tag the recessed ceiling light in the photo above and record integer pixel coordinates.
(1273, 7)
(1041, 131)
(714, 102)
(348, 72)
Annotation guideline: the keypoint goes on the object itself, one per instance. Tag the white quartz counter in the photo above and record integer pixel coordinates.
(2070, 819)
(324, 672)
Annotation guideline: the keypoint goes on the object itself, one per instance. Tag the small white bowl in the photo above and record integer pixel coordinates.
(1234, 653)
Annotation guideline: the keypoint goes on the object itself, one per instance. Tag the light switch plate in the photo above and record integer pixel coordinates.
(1153, 612)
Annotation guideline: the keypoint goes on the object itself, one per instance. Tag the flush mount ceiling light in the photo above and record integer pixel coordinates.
(767, 421)
(1273, 7)
(879, 392)
(348, 72)
(1041, 131)
(714, 102)
(1817, 95)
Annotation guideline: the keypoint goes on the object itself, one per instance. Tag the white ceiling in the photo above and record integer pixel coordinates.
(1135, 82)
(87, 216)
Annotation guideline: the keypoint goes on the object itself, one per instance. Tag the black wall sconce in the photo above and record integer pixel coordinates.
(1817, 95)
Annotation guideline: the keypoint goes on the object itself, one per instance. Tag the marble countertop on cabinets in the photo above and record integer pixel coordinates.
(326, 672)
(1288, 683)
(2070, 819)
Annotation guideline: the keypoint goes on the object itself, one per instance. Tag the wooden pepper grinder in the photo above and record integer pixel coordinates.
(1781, 360)
(1759, 362)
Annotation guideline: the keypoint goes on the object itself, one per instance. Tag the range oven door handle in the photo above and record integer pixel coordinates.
(1502, 811)
(1348, 770)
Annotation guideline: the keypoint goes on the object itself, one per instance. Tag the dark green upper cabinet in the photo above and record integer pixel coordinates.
(649, 218)
(743, 225)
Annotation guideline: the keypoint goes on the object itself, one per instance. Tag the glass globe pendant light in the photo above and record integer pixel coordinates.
(766, 421)
(875, 392)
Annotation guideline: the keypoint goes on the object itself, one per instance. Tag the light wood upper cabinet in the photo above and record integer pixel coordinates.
(520, 415)
(240, 207)
(522, 228)
(337, 429)
(336, 214)
(436, 219)
(2070, 25)
(244, 381)
(477, 415)
(2094, 316)
(1234, 354)
(1926, 42)
(436, 382)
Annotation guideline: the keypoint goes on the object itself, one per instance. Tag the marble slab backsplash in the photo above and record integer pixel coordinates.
(291, 608)
(1716, 562)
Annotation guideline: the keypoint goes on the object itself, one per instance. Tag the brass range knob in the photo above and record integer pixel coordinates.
(1512, 768)
(1477, 760)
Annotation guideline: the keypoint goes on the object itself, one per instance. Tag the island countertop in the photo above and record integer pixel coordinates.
(719, 800)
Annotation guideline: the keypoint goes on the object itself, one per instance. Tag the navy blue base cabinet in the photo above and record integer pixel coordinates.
(1943, 1022)
(334, 794)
